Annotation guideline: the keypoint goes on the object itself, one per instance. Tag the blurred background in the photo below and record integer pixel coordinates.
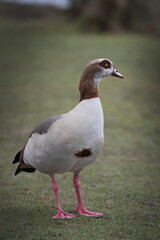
(92, 15)
(44, 47)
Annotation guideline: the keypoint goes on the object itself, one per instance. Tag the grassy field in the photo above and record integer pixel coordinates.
(40, 66)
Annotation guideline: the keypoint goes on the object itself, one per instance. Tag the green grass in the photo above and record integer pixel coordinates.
(40, 66)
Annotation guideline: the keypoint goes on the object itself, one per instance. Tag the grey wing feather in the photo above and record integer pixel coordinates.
(40, 129)
(44, 126)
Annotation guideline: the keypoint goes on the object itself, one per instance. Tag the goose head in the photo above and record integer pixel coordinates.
(92, 75)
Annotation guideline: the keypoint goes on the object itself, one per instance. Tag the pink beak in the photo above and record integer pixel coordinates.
(117, 74)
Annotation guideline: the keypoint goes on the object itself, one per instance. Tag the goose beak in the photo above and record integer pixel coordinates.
(117, 74)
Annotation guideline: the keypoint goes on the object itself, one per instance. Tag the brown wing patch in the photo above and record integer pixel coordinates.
(86, 152)
(21, 154)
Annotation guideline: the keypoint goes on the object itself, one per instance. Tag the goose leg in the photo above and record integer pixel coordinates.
(61, 213)
(81, 209)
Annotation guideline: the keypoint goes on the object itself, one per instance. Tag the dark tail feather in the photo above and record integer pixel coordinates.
(25, 168)
(18, 170)
(17, 157)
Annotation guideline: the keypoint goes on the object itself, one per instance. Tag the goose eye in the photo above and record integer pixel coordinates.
(106, 65)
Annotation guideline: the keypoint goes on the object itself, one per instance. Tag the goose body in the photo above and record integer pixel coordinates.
(71, 141)
(67, 141)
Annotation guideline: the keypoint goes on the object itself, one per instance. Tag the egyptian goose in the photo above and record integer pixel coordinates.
(71, 141)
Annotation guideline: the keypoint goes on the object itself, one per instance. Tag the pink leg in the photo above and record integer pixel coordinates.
(61, 213)
(81, 209)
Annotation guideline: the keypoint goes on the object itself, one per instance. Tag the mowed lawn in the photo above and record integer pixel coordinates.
(40, 67)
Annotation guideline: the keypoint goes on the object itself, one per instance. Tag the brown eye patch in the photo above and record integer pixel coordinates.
(105, 64)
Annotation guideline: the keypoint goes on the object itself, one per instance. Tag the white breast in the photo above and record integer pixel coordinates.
(79, 129)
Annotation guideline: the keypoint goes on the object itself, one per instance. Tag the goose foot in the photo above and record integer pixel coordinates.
(84, 212)
(62, 215)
